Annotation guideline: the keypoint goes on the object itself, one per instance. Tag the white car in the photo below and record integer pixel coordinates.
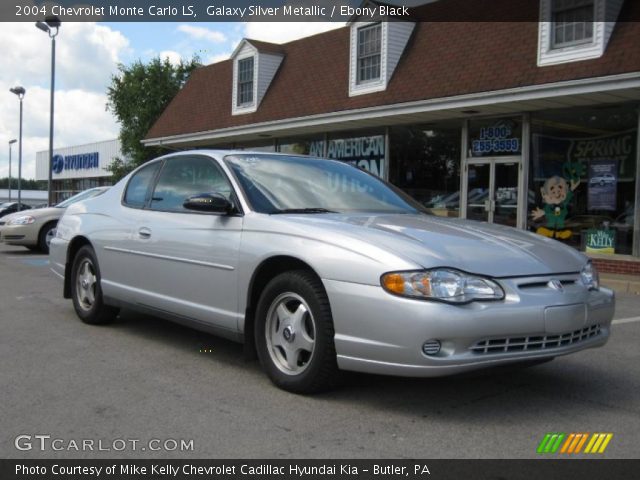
(35, 228)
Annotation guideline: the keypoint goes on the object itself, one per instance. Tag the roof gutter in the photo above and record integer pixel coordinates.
(495, 97)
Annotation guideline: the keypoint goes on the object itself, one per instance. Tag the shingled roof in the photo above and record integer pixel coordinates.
(442, 59)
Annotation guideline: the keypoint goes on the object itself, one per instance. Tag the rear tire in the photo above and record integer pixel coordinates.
(86, 291)
(46, 234)
(294, 333)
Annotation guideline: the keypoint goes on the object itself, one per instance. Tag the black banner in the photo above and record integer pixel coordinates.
(285, 11)
(317, 469)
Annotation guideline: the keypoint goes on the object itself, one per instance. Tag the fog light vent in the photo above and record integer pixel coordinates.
(431, 347)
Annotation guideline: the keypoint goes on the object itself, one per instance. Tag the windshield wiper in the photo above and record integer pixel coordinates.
(302, 210)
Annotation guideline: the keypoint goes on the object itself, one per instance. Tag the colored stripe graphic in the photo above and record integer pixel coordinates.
(573, 443)
(550, 443)
(598, 443)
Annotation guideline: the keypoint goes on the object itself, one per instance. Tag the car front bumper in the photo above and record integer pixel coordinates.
(26, 235)
(377, 332)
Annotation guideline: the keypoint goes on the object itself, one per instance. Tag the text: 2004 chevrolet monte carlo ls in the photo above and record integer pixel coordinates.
(322, 267)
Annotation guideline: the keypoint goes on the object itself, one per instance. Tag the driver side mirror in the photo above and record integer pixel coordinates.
(208, 202)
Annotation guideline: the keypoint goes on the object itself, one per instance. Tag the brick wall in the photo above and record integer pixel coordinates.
(617, 266)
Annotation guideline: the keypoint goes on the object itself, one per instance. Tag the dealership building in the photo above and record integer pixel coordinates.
(529, 124)
(78, 168)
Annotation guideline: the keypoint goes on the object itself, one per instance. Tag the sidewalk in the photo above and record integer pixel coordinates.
(621, 283)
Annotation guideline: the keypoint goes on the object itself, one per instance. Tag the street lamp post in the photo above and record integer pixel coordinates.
(19, 91)
(11, 142)
(51, 26)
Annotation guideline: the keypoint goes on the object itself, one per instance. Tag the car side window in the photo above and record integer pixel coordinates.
(183, 177)
(139, 185)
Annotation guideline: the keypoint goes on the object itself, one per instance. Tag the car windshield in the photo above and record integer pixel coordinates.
(92, 192)
(291, 184)
(6, 204)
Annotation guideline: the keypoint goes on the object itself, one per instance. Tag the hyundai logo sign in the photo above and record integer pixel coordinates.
(82, 161)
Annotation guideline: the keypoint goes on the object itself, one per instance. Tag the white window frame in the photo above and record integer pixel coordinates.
(357, 87)
(571, 43)
(238, 109)
(551, 54)
(240, 82)
(360, 56)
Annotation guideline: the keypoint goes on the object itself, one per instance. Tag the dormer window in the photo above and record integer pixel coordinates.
(245, 82)
(575, 30)
(254, 66)
(369, 53)
(572, 22)
(375, 50)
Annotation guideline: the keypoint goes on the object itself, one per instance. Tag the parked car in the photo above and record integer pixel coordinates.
(323, 267)
(35, 228)
(11, 207)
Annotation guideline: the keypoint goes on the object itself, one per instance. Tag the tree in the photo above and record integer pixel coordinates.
(27, 184)
(138, 95)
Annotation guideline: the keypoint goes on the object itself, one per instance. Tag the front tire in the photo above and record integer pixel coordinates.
(86, 291)
(45, 236)
(294, 333)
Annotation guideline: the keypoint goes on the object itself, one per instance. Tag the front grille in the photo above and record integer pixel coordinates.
(534, 342)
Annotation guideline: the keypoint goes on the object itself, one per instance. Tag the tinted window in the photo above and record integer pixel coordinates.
(139, 184)
(183, 177)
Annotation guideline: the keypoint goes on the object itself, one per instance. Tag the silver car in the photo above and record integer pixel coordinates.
(320, 267)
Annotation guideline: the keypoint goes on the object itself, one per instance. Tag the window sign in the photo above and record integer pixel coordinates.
(600, 241)
(363, 152)
(495, 138)
(603, 180)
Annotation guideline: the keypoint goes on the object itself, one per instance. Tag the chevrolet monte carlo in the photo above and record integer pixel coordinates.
(318, 267)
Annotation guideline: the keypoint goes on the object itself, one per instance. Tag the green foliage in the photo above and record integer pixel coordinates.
(26, 184)
(138, 95)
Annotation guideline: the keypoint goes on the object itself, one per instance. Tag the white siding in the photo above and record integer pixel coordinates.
(397, 38)
(107, 152)
(612, 10)
(267, 67)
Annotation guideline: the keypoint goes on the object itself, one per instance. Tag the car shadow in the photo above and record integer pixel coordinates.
(181, 337)
(499, 394)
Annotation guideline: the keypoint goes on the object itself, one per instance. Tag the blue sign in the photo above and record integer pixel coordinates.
(496, 139)
(82, 161)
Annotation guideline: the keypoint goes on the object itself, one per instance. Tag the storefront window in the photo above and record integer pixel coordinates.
(425, 163)
(259, 146)
(495, 137)
(363, 149)
(582, 177)
(313, 146)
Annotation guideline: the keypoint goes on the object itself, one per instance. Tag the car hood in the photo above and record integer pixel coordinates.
(37, 213)
(429, 241)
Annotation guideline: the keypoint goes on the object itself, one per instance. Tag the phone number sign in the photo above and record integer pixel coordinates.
(498, 139)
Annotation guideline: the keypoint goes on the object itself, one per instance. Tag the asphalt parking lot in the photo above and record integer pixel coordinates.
(143, 378)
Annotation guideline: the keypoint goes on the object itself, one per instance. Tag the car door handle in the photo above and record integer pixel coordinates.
(144, 232)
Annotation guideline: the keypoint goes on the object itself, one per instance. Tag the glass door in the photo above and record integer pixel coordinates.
(479, 192)
(505, 211)
(492, 190)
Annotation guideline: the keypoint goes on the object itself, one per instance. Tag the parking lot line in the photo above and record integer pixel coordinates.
(626, 320)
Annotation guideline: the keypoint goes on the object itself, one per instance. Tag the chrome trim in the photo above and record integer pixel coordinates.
(167, 257)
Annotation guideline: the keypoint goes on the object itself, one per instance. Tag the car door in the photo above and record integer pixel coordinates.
(187, 260)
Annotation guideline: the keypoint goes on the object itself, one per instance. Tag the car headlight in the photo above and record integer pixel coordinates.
(589, 276)
(22, 220)
(442, 284)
